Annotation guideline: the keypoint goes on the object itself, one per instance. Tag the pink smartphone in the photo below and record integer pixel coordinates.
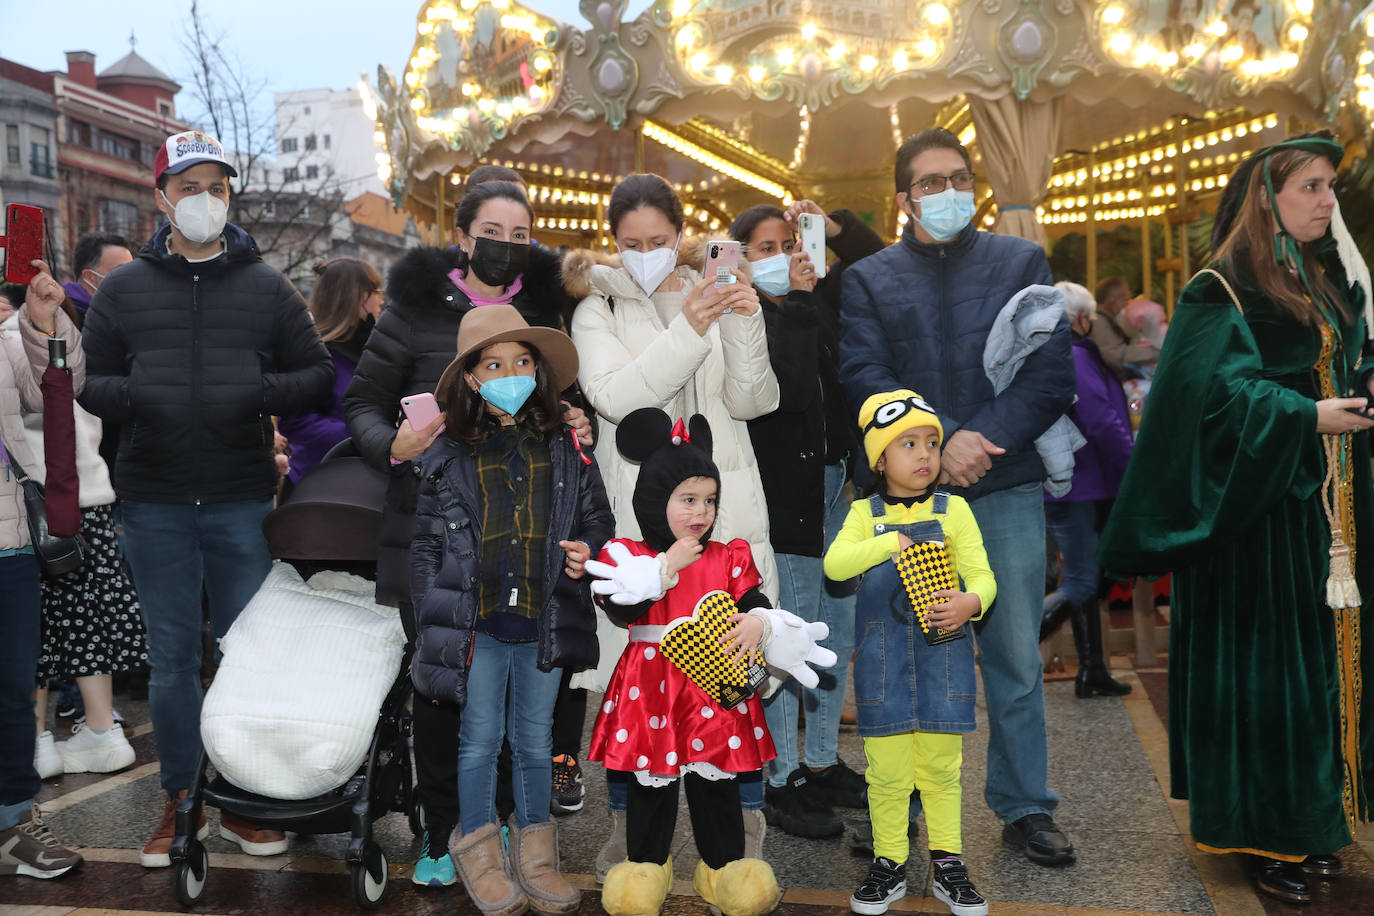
(420, 409)
(722, 257)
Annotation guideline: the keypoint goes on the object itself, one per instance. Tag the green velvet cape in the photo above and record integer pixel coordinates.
(1223, 490)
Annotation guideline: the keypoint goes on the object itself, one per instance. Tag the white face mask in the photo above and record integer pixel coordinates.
(199, 217)
(650, 268)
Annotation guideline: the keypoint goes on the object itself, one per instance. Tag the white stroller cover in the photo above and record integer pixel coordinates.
(306, 666)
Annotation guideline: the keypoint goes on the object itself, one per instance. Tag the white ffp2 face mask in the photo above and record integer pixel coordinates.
(650, 268)
(199, 217)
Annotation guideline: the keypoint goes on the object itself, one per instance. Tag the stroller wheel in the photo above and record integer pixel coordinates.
(415, 813)
(191, 872)
(369, 877)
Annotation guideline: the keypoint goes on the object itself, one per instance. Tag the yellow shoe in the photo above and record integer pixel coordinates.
(744, 887)
(636, 888)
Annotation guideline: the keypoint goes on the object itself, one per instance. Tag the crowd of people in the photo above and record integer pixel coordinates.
(623, 441)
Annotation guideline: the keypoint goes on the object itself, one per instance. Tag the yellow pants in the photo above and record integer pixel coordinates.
(928, 761)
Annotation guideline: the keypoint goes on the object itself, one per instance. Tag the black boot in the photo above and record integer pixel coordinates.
(1093, 677)
(1058, 609)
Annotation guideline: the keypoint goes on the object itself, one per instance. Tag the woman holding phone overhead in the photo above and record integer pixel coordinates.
(652, 332)
(429, 291)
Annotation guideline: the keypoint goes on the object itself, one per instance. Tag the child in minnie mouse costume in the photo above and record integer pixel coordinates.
(656, 722)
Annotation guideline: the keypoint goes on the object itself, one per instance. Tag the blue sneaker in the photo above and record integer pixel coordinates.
(431, 872)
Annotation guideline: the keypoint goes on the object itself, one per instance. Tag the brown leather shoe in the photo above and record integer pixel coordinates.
(482, 865)
(157, 854)
(251, 839)
(534, 860)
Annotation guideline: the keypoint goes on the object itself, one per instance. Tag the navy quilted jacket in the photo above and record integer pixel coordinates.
(917, 315)
(194, 360)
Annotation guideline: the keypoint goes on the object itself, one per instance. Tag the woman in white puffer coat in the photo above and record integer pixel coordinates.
(651, 333)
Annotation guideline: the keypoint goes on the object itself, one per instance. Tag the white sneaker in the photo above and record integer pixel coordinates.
(46, 760)
(88, 752)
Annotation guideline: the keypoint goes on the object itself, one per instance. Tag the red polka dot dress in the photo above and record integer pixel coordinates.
(654, 721)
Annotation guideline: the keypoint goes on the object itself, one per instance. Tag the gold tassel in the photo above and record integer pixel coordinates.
(1341, 590)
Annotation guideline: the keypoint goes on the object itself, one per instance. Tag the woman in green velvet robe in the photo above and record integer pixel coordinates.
(1251, 467)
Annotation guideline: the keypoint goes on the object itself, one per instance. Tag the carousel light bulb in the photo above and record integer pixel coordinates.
(1304, 7)
(681, 8)
(899, 61)
(1217, 28)
(1297, 33)
(724, 73)
(417, 104)
(785, 57)
(698, 60)
(1231, 54)
(1120, 43)
(837, 50)
(867, 63)
(412, 78)
(1366, 58)
(755, 73)
(542, 64)
(937, 14)
(809, 31)
(1168, 61)
(927, 47)
(1113, 15)
(1194, 50)
(424, 28)
(686, 38)
(1288, 60)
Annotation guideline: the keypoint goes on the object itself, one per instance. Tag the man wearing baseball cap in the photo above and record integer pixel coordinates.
(193, 347)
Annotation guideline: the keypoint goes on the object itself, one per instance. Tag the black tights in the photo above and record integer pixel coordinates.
(717, 823)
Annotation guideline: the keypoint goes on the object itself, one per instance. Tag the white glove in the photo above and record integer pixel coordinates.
(792, 644)
(630, 580)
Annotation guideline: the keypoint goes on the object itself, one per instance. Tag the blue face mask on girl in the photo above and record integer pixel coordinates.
(944, 215)
(507, 393)
(772, 275)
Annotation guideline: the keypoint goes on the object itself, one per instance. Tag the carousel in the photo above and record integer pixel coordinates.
(1112, 121)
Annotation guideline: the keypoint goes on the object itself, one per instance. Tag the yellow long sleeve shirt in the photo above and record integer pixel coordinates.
(857, 549)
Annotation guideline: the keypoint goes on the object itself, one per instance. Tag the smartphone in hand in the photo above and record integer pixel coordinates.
(420, 409)
(23, 241)
(813, 240)
(722, 258)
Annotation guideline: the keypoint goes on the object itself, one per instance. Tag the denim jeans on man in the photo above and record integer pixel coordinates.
(20, 611)
(1012, 522)
(803, 591)
(1074, 527)
(175, 551)
(489, 716)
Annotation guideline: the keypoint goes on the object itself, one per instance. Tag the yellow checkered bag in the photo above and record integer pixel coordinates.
(925, 570)
(694, 647)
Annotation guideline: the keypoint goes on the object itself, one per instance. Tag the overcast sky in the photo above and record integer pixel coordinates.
(291, 44)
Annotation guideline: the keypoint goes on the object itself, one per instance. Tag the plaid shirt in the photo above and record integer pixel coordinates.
(515, 475)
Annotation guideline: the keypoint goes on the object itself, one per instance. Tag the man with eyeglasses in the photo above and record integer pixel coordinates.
(917, 315)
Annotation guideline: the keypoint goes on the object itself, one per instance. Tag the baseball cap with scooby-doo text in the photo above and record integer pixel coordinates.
(188, 148)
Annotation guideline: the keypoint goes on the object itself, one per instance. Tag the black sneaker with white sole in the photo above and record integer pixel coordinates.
(954, 889)
(567, 794)
(884, 884)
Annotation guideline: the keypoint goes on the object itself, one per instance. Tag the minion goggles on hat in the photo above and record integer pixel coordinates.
(893, 411)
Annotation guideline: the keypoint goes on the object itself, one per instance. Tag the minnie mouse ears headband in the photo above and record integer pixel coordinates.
(648, 429)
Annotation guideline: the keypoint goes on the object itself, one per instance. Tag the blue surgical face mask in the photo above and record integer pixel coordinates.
(772, 275)
(945, 215)
(507, 393)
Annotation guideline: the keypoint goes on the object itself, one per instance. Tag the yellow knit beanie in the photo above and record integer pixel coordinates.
(888, 414)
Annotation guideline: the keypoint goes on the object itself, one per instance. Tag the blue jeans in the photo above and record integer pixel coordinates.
(488, 718)
(804, 593)
(175, 551)
(1012, 523)
(1074, 526)
(20, 610)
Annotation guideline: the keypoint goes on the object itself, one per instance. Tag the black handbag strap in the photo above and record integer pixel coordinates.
(19, 473)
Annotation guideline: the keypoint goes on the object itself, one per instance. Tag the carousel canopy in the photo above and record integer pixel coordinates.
(1077, 110)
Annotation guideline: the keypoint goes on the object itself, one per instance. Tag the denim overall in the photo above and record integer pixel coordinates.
(900, 683)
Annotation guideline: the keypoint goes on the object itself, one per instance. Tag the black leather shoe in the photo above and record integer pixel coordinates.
(1042, 841)
(1327, 866)
(1281, 880)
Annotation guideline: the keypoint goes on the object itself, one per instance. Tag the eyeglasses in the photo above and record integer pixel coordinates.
(934, 184)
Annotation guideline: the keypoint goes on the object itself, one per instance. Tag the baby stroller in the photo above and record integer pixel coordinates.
(329, 522)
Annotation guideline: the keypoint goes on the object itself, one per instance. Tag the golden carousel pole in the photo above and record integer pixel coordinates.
(1092, 221)
(1146, 274)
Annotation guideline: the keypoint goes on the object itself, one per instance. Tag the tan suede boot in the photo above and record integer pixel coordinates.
(534, 860)
(482, 865)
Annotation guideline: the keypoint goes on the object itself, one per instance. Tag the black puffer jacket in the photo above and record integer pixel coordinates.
(446, 562)
(194, 360)
(812, 426)
(415, 339)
